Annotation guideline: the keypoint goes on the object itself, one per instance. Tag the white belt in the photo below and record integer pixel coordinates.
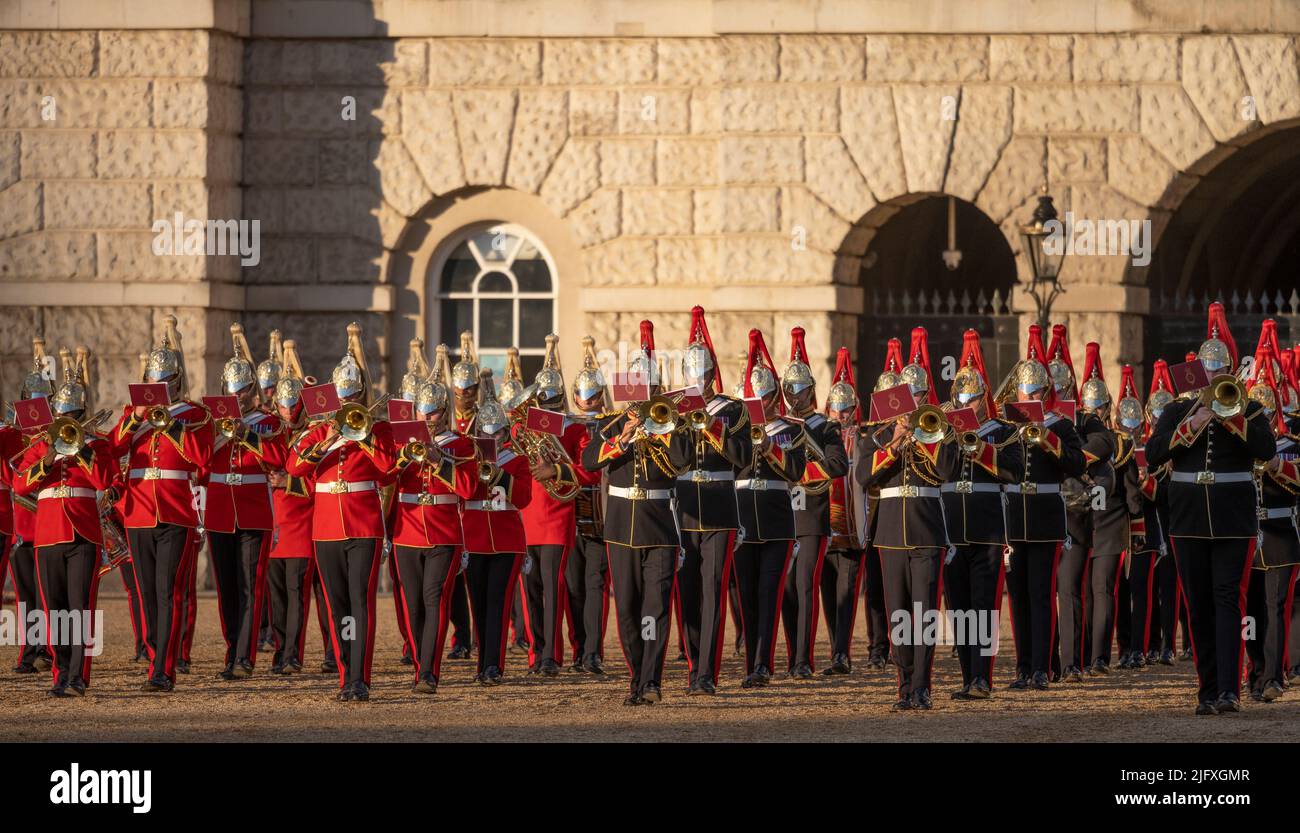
(1034, 488)
(758, 485)
(66, 492)
(703, 476)
(637, 493)
(1275, 512)
(487, 506)
(909, 491)
(966, 487)
(338, 487)
(157, 474)
(1209, 478)
(236, 479)
(426, 499)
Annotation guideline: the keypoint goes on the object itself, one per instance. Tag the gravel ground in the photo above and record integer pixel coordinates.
(1150, 705)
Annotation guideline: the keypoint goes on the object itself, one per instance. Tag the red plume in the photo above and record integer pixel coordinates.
(1267, 341)
(1264, 376)
(894, 356)
(1060, 348)
(973, 356)
(1290, 376)
(920, 354)
(648, 338)
(1160, 378)
(757, 352)
(844, 373)
(1190, 357)
(700, 332)
(1092, 361)
(1127, 387)
(799, 352)
(1038, 353)
(1217, 327)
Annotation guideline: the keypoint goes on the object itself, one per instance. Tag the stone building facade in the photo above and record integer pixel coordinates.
(617, 160)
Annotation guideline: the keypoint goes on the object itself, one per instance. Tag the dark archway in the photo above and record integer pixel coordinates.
(906, 283)
(1234, 238)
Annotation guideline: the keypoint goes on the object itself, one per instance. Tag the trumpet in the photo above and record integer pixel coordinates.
(1032, 432)
(658, 415)
(969, 441)
(229, 427)
(928, 423)
(486, 471)
(354, 421)
(698, 419)
(417, 451)
(160, 417)
(756, 434)
(1224, 395)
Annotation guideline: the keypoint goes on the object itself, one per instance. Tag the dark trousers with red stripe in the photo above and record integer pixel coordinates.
(408, 641)
(164, 562)
(289, 582)
(1172, 607)
(841, 575)
(799, 603)
(190, 587)
(126, 570)
(1070, 637)
(1031, 589)
(1102, 606)
(874, 599)
(585, 580)
(239, 569)
(545, 597)
(1213, 573)
(1268, 602)
(425, 576)
(760, 573)
(22, 565)
(642, 580)
(329, 663)
(972, 583)
(461, 632)
(912, 582)
(492, 579)
(349, 572)
(702, 591)
(1141, 591)
(69, 577)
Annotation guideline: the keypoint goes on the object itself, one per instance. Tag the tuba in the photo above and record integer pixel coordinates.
(540, 448)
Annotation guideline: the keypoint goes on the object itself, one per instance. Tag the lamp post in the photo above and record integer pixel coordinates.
(1043, 239)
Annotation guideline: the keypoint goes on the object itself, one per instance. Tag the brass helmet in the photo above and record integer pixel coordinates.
(761, 381)
(71, 395)
(166, 360)
(915, 377)
(1219, 348)
(1265, 395)
(886, 380)
(417, 370)
(1129, 414)
(589, 382)
(642, 363)
(465, 373)
(289, 389)
(1157, 402)
(349, 376)
(1062, 375)
(842, 396)
(34, 383)
(550, 380)
(491, 416)
(967, 385)
(430, 398)
(238, 372)
(270, 370)
(797, 375)
(1030, 375)
(513, 384)
(1094, 394)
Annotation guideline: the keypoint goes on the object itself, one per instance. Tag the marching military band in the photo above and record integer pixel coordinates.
(1101, 519)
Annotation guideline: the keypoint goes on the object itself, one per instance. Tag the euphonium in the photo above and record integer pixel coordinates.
(928, 423)
(354, 421)
(1224, 395)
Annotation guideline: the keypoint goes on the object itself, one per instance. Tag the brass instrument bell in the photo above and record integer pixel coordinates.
(354, 421)
(1224, 395)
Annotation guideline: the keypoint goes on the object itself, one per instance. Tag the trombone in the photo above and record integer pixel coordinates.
(68, 436)
(1224, 395)
(929, 424)
(355, 421)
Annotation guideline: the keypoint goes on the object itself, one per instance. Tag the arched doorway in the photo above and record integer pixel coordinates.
(907, 282)
(1234, 238)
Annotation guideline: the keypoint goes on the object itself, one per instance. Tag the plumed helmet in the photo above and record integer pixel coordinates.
(700, 357)
(430, 398)
(289, 389)
(589, 382)
(270, 370)
(550, 380)
(968, 383)
(513, 383)
(1157, 402)
(917, 372)
(491, 417)
(797, 375)
(1219, 351)
(842, 396)
(1129, 413)
(1095, 394)
(71, 395)
(761, 381)
(166, 360)
(34, 383)
(1030, 375)
(1264, 395)
(417, 371)
(760, 373)
(915, 377)
(465, 373)
(642, 362)
(238, 372)
(349, 376)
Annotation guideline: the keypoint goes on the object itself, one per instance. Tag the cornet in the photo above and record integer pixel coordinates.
(229, 427)
(1224, 395)
(756, 434)
(417, 451)
(969, 441)
(160, 417)
(486, 471)
(698, 419)
(1032, 432)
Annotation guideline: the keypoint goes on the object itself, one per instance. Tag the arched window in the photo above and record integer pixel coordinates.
(497, 281)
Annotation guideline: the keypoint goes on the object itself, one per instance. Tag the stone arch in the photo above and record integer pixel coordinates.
(425, 237)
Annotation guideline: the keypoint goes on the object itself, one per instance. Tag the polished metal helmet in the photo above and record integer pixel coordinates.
(915, 377)
(1062, 376)
(288, 391)
(885, 381)
(549, 381)
(465, 373)
(1215, 355)
(1264, 395)
(1129, 413)
(71, 395)
(513, 383)
(696, 361)
(841, 397)
(761, 381)
(491, 416)
(417, 370)
(1031, 376)
(967, 385)
(34, 383)
(270, 370)
(165, 360)
(590, 382)
(1157, 403)
(1094, 394)
(430, 398)
(349, 376)
(238, 372)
